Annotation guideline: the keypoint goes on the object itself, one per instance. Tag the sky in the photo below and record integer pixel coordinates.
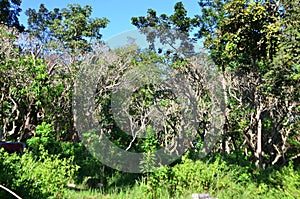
(119, 12)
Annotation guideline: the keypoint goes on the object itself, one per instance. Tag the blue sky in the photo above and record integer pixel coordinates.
(119, 12)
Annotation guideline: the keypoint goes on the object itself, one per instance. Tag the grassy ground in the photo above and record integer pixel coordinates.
(221, 178)
(134, 193)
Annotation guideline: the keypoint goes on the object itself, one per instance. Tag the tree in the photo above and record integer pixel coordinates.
(254, 45)
(55, 46)
(9, 12)
(39, 23)
(32, 90)
(246, 40)
(73, 26)
(177, 21)
(168, 29)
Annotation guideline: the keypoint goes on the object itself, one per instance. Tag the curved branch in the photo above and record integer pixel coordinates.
(9, 191)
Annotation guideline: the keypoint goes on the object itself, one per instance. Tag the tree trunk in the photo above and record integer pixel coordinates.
(225, 141)
(259, 138)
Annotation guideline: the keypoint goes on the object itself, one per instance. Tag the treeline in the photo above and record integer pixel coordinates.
(253, 45)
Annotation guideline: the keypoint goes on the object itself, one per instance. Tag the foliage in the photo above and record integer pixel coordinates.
(254, 46)
(9, 13)
(44, 138)
(72, 26)
(31, 92)
(189, 175)
(36, 177)
(223, 180)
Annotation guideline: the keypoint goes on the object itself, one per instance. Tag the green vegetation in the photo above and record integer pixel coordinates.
(253, 44)
(43, 176)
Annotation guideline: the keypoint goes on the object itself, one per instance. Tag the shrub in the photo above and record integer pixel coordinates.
(287, 181)
(223, 180)
(36, 177)
(198, 176)
(45, 137)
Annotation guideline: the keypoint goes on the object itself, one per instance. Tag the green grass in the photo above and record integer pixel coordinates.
(135, 192)
(127, 193)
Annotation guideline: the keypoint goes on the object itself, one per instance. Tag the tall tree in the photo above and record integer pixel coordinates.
(39, 23)
(62, 37)
(254, 45)
(73, 26)
(9, 13)
(167, 29)
(246, 40)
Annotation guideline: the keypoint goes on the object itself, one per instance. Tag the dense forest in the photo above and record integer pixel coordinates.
(222, 120)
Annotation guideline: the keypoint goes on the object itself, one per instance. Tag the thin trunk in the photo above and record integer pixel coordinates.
(259, 139)
(225, 141)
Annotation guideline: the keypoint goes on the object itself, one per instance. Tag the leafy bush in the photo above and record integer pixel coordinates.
(222, 180)
(44, 137)
(190, 175)
(88, 166)
(36, 177)
(287, 181)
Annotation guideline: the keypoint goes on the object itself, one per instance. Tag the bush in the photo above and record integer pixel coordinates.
(89, 166)
(287, 181)
(36, 177)
(45, 138)
(197, 176)
(223, 180)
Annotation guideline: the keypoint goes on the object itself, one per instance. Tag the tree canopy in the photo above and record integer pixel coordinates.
(9, 13)
(73, 26)
(224, 119)
(254, 45)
